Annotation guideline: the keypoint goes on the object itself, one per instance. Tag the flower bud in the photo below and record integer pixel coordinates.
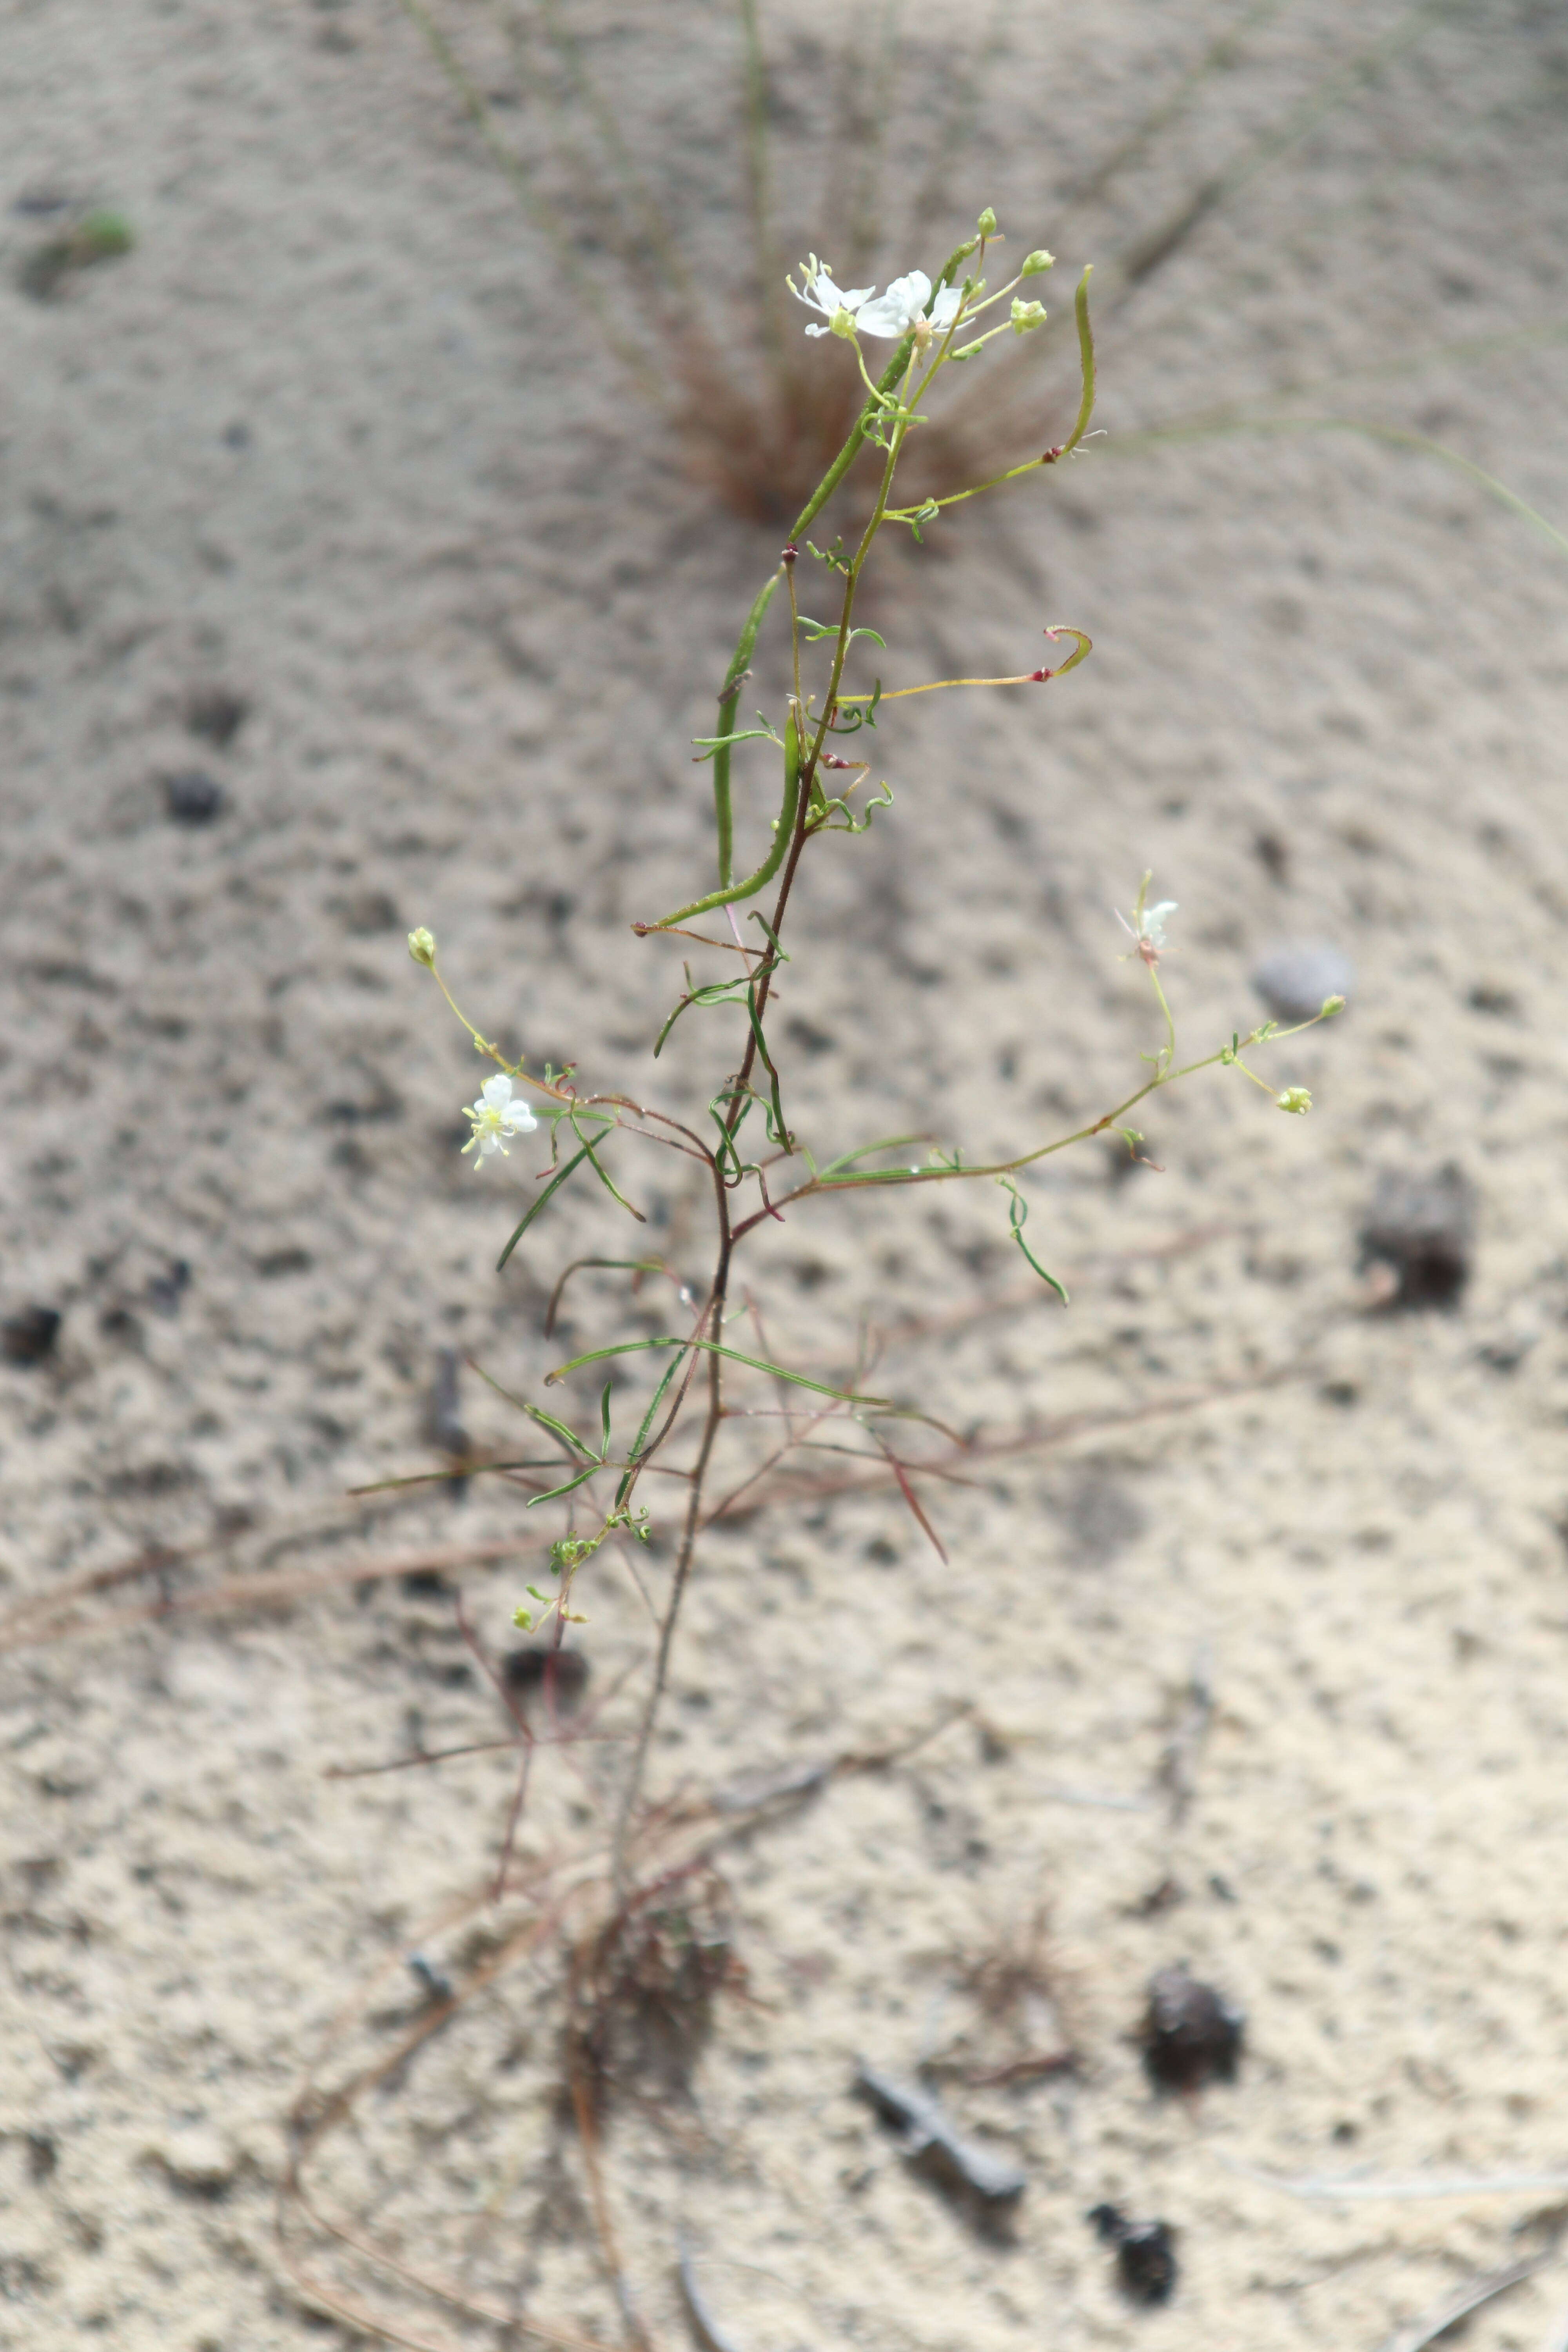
(1295, 1098)
(422, 946)
(1037, 260)
(1331, 1005)
(987, 223)
(1026, 315)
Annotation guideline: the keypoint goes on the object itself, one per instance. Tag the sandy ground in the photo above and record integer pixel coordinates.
(335, 439)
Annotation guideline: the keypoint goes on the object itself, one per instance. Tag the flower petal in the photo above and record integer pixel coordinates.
(883, 318)
(496, 1091)
(945, 308)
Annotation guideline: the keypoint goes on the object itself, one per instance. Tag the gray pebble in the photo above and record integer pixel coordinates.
(197, 2159)
(1419, 1234)
(1293, 980)
(192, 797)
(28, 1337)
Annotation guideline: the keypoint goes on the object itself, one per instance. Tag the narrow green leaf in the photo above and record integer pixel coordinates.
(1017, 1216)
(709, 744)
(771, 937)
(757, 1364)
(605, 1419)
(598, 1168)
(888, 1143)
(466, 1470)
(783, 834)
(871, 1176)
(714, 992)
(777, 1131)
(648, 1421)
(529, 1215)
(570, 1487)
(820, 629)
(559, 1429)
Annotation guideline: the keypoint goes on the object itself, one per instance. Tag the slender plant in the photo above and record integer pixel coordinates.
(758, 1165)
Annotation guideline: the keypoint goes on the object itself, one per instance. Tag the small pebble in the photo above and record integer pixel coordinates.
(1191, 2033)
(523, 1671)
(1418, 1239)
(1145, 2254)
(216, 713)
(165, 1290)
(1294, 979)
(28, 1337)
(192, 797)
(367, 912)
(1273, 854)
(197, 2158)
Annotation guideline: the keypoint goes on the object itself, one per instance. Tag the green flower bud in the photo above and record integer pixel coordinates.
(1332, 1004)
(987, 223)
(1026, 315)
(1039, 259)
(422, 946)
(1296, 1098)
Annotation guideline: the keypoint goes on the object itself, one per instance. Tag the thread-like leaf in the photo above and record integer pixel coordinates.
(886, 1143)
(569, 1486)
(529, 1215)
(648, 1421)
(1017, 1216)
(783, 834)
(757, 1364)
(559, 1429)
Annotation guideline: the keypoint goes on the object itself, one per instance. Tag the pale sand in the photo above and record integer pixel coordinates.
(333, 437)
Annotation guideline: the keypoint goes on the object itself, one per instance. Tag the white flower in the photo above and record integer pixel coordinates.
(1148, 924)
(821, 294)
(496, 1115)
(904, 305)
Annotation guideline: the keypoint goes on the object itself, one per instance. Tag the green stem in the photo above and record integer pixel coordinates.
(728, 892)
(890, 377)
